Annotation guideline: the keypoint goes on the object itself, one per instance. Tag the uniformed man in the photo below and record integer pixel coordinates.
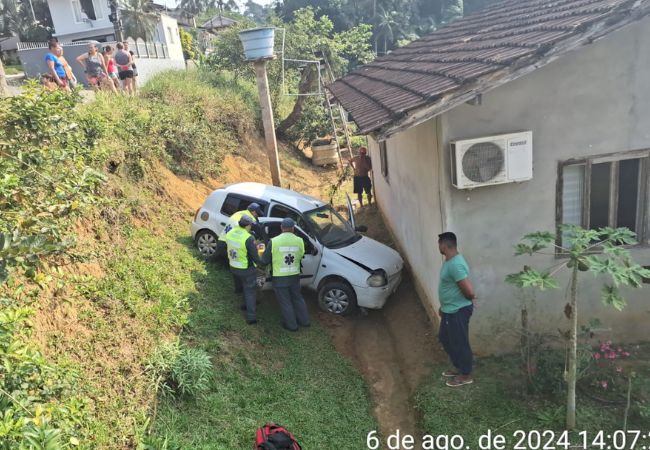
(285, 253)
(242, 257)
(254, 211)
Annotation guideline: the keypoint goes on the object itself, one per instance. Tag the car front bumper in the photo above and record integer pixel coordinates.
(376, 297)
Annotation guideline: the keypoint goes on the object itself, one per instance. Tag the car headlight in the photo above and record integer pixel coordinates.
(378, 279)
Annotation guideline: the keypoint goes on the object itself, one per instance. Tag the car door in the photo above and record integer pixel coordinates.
(351, 213)
(313, 252)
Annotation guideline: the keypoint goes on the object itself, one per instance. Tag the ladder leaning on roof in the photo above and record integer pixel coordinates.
(340, 127)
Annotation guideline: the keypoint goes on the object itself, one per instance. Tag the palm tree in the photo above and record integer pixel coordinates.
(386, 27)
(138, 18)
(193, 7)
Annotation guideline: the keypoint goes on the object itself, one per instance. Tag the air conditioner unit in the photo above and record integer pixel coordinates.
(486, 161)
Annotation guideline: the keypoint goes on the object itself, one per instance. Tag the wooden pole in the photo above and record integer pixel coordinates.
(267, 120)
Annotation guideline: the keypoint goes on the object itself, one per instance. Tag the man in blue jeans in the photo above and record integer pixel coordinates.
(456, 296)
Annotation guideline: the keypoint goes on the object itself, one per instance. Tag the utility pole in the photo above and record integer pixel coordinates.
(115, 19)
(267, 120)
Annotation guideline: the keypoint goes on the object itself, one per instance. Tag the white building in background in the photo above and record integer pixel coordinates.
(85, 20)
(78, 21)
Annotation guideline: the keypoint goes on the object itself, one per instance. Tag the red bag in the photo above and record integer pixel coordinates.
(275, 437)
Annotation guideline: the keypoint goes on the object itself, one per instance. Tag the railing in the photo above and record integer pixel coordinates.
(141, 49)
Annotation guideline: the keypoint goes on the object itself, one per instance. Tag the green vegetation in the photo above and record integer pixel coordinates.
(500, 400)
(13, 69)
(583, 249)
(261, 373)
(113, 333)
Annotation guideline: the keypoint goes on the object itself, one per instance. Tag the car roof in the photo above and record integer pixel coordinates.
(293, 199)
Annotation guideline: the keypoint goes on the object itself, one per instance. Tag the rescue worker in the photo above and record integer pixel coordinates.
(253, 211)
(242, 257)
(285, 253)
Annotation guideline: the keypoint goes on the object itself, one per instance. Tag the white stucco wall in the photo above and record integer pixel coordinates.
(67, 28)
(593, 101)
(409, 200)
(167, 30)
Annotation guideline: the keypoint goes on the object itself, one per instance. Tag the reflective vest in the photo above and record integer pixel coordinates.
(287, 251)
(233, 222)
(237, 252)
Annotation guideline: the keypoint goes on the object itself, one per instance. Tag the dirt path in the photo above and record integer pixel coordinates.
(394, 348)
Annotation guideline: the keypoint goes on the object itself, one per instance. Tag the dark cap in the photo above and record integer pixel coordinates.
(245, 221)
(254, 207)
(288, 223)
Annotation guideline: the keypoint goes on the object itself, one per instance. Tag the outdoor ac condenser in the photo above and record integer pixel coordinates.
(486, 161)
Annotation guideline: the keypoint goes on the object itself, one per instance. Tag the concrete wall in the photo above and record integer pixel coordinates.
(167, 29)
(67, 28)
(410, 200)
(593, 101)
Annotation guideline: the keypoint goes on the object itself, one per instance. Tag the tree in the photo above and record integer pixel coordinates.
(139, 18)
(187, 43)
(29, 20)
(4, 89)
(195, 7)
(601, 252)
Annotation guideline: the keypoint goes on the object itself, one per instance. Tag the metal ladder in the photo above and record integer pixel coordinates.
(336, 113)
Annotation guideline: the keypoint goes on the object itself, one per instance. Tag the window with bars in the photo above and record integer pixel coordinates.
(383, 159)
(605, 191)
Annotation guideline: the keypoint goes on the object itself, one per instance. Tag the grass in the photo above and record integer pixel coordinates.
(262, 373)
(498, 401)
(13, 69)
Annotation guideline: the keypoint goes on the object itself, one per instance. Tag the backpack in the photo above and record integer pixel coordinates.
(275, 437)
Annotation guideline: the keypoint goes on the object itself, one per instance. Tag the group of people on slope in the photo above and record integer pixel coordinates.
(284, 253)
(111, 70)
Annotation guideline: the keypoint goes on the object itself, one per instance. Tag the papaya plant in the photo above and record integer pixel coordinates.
(602, 252)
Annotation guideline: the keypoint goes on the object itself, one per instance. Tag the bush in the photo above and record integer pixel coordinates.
(180, 118)
(180, 370)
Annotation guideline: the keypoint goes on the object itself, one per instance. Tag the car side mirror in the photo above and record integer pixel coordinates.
(361, 228)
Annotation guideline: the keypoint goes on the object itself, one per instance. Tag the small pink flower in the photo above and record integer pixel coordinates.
(619, 350)
(619, 369)
(596, 355)
(603, 384)
(626, 354)
(609, 343)
(612, 355)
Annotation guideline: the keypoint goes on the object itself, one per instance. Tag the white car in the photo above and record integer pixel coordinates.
(345, 268)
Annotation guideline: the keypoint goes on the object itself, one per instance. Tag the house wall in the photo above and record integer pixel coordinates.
(68, 29)
(410, 202)
(593, 101)
(167, 29)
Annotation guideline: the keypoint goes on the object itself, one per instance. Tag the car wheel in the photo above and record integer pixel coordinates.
(338, 298)
(208, 245)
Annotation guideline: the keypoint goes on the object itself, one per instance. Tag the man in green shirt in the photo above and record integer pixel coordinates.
(456, 296)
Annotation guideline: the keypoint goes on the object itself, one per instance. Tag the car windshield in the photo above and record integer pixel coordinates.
(331, 229)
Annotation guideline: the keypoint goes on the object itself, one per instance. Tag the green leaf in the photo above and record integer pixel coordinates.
(533, 278)
(611, 296)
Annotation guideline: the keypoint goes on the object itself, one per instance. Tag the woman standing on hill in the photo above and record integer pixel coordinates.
(124, 63)
(110, 66)
(72, 80)
(95, 68)
(57, 71)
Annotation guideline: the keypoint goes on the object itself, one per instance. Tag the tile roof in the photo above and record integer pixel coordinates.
(474, 54)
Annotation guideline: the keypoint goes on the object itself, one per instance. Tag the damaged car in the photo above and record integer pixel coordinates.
(346, 269)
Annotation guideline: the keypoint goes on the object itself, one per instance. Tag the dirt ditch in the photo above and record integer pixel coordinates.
(393, 348)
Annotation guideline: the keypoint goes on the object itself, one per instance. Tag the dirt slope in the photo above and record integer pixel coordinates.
(393, 348)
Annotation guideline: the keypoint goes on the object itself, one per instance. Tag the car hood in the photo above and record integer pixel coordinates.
(372, 255)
